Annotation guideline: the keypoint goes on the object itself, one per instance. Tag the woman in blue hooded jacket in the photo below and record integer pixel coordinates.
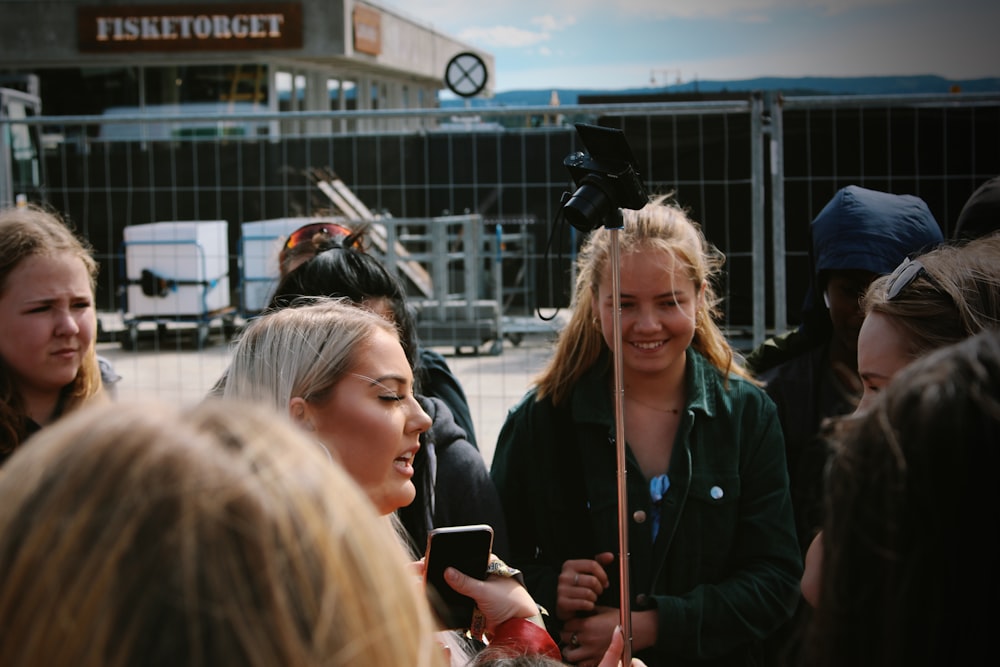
(859, 235)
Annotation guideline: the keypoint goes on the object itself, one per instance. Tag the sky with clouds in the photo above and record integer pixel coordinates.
(614, 44)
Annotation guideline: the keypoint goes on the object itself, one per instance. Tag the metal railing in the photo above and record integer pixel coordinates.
(752, 171)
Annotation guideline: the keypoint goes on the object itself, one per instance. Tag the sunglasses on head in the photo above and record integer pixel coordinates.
(903, 276)
(306, 233)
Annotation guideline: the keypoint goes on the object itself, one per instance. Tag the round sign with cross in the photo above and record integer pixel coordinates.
(466, 74)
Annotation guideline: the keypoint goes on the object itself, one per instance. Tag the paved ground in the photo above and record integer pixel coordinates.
(173, 369)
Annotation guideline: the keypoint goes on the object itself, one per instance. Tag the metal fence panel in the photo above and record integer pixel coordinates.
(702, 153)
(753, 172)
(939, 148)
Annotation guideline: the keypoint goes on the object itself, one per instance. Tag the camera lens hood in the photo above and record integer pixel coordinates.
(587, 208)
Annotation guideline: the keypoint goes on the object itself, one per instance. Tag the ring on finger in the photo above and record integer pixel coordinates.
(576, 581)
(574, 641)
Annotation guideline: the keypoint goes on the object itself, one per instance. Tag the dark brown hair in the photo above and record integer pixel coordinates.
(912, 522)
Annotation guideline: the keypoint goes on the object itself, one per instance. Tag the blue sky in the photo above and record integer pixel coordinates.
(614, 44)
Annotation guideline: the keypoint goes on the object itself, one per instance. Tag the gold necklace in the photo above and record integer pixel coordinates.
(673, 411)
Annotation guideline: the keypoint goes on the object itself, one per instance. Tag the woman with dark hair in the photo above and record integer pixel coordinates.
(362, 278)
(909, 548)
(937, 299)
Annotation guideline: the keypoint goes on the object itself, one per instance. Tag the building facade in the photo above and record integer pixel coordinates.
(205, 56)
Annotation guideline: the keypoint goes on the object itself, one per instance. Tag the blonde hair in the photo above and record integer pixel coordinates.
(28, 232)
(659, 226)
(216, 535)
(300, 351)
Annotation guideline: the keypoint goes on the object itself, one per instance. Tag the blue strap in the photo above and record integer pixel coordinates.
(657, 489)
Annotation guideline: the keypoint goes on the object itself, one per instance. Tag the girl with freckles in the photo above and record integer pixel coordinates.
(48, 324)
(714, 562)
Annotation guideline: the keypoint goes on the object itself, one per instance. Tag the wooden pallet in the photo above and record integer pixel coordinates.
(352, 208)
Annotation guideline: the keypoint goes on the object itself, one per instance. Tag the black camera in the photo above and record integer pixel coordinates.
(606, 179)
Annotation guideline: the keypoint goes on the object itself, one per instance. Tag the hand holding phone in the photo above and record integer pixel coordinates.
(467, 549)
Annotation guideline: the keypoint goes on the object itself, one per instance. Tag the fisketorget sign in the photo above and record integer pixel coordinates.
(229, 26)
(217, 26)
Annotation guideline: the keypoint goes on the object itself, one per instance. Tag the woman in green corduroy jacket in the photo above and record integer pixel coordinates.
(713, 558)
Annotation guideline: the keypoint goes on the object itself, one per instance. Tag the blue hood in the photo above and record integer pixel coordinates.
(868, 230)
(871, 231)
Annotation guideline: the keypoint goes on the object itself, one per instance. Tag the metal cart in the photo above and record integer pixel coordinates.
(176, 280)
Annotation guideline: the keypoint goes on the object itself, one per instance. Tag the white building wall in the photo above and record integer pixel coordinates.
(43, 34)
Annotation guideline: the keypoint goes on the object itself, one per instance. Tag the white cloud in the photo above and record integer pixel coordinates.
(734, 9)
(502, 37)
(909, 44)
(451, 13)
(549, 23)
(544, 44)
(506, 36)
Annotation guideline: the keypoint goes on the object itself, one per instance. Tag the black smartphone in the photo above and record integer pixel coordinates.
(467, 549)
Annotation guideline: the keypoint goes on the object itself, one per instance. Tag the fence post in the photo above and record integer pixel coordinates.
(757, 240)
(779, 282)
(498, 278)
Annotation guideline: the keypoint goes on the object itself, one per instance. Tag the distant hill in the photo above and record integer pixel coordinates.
(789, 86)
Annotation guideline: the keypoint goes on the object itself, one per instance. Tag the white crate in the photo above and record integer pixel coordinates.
(193, 256)
(260, 245)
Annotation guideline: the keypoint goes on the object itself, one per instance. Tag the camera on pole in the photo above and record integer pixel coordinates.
(607, 182)
(606, 178)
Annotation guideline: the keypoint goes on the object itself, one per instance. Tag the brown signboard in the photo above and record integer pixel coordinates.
(367, 30)
(218, 27)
